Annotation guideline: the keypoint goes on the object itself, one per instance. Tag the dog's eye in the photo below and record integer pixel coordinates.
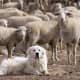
(39, 49)
(34, 50)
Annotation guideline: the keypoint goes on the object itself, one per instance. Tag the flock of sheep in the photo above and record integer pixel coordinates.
(20, 30)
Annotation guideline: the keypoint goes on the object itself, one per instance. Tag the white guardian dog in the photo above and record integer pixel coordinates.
(35, 63)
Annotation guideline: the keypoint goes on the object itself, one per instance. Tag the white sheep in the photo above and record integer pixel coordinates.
(7, 12)
(10, 37)
(43, 32)
(70, 32)
(11, 5)
(15, 4)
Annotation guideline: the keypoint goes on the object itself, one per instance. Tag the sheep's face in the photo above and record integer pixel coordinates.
(3, 22)
(60, 12)
(36, 52)
(62, 15)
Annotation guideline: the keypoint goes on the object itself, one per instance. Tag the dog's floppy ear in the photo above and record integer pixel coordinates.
(44, 51)
(28, 52)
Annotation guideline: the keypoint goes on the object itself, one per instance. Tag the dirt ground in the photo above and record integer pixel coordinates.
(57, 72)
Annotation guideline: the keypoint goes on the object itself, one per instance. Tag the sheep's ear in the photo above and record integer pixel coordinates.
(68, 13)
(56, 13)
(44, 52)
(21, 28)
(29, 30)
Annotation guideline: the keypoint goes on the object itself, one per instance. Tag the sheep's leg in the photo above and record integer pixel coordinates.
(2, 3)
(31, 42)
(68, 52)
(78, 4)
(54, 53)
(60, 44)
(46, 2)
(74, 53)
(9, 47)
(41, 4)
(21, 4)
(66, 2)
(54, 56)
(38, 3)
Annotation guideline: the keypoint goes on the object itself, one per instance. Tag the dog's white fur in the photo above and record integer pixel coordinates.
(28, 65)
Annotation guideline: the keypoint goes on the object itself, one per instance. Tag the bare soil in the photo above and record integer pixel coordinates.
(57, 72)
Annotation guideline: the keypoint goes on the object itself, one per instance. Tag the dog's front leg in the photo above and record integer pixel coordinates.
(37, 73)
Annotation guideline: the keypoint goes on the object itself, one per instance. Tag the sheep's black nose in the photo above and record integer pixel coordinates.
(37, 55)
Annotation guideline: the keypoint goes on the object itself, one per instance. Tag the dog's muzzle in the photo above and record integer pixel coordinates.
(37, 55)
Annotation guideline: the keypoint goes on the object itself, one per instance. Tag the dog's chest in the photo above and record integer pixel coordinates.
(36, 65)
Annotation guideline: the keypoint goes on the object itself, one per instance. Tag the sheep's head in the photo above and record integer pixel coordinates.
(3, 22)
(58, 5)
(60, 12)
(21, 33)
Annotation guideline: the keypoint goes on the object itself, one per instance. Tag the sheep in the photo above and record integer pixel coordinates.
(70, 30)
(75, 2)
(5, 13)
(10, 37)
(14, 3)
(3, 22)
(16, 21)
(42, 32)
(11, 5)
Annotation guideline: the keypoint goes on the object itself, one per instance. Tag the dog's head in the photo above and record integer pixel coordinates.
(36, 52)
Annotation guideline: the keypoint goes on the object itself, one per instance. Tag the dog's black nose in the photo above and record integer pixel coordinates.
(37, 55)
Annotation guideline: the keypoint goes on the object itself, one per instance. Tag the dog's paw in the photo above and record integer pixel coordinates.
(40, 74)
(46, 73)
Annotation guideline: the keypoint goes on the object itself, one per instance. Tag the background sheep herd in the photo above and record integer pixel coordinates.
(53, 24)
